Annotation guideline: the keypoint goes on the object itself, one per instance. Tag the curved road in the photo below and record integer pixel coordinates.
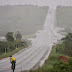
(27, 58)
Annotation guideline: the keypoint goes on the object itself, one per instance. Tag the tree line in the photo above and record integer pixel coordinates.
(11, 43)
(66, 46)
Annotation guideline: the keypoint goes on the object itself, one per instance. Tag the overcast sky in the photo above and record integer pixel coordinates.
(51, 3)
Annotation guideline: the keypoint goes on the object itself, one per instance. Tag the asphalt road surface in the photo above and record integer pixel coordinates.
(27, 58)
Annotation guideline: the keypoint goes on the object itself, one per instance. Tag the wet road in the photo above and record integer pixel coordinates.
(27, 58)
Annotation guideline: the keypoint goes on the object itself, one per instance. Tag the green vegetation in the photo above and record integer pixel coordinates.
(48, 66)
(18, 35)
(61, 66)
(3, 55)
(63, 49)
(9, 37)
(68, 44)
(12, 45)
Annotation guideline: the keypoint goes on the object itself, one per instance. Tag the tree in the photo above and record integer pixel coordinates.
(61, 66)
(3, 45)
(9, 36)
(68, 38)
(18, 36)
(68, 44)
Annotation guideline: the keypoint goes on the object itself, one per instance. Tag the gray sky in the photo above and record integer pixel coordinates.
(51, 3)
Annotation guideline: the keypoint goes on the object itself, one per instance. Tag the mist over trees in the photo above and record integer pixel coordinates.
(18, 35)
(64, 16)
(27, 19)
(9, 36)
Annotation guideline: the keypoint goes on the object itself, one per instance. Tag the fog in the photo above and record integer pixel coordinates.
(31, 17)
(64, 16)
(27, 19)
(51, 3)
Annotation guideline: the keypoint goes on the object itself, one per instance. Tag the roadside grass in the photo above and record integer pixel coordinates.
(3, 55)
(52, 59)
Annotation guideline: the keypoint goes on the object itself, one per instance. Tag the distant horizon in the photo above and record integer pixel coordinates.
(51, 3)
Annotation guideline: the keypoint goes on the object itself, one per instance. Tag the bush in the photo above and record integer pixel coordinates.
(11, 47)
(60, 48)
(68, 44)
(8, 45)
(3, 45)
(65, 59)
(61, 66)
(70, 61)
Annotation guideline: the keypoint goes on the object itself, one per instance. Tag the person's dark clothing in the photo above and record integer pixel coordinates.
(13, 62)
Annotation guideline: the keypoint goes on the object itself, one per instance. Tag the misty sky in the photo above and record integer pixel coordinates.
(51, 3)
